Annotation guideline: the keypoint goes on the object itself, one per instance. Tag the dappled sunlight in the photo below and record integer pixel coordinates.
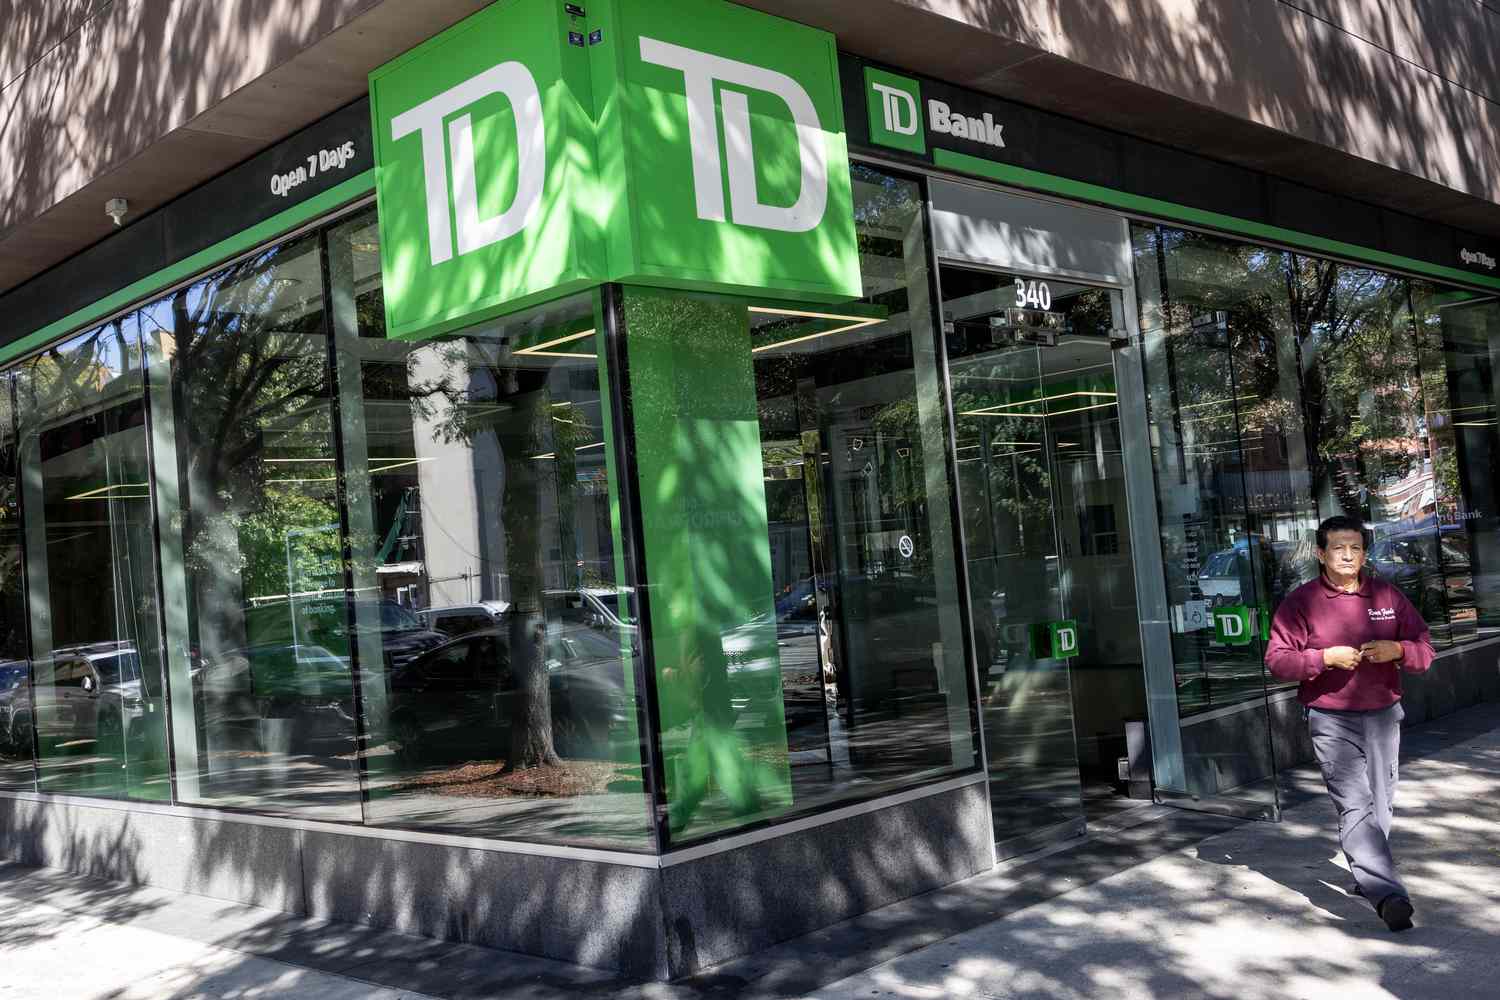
(1262, 910)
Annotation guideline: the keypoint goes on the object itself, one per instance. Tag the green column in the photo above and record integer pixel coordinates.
(707, 555)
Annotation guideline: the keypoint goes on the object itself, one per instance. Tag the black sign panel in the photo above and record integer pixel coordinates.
(321, 156)
(878, 114)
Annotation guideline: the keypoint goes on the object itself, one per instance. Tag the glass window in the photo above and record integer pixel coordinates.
(251, 538)
(803, 608)
(1228, 451)
(1371, 452)
(15, 665)
(1460, 338)
(100, 714)
(1285, 389)
(480, 471)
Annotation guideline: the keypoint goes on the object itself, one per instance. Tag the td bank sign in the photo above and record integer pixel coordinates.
(899, 119)
(533, 149)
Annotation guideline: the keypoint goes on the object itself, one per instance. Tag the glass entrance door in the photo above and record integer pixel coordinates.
(1044, 449)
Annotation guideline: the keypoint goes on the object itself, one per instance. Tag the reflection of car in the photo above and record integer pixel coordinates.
(1227, 576)
(1425, 567)
(281, 676)
(15, 706)
(452, 700)
(96, 694)
(325, 621)
(459, 699)
(403, 636)
(1219, 576)
(595, 607)
(460, 619)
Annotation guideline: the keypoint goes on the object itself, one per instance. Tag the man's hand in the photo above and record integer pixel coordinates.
(1342, 657)
(1381, 651)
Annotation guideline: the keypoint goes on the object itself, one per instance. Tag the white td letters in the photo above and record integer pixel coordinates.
(1231, 625)
(519, 87)
(699, 71)
(892, 101)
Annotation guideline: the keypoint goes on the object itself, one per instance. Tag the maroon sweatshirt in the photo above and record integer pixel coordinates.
(1318, 615)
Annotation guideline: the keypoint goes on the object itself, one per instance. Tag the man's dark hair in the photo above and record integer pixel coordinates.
(1342, 522)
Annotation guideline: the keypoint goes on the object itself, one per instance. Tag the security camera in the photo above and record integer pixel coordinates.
(116, 208)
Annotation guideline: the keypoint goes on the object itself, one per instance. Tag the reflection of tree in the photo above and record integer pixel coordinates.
(254, 429)
(1363, 391)
(1335, 339)
(482, 394)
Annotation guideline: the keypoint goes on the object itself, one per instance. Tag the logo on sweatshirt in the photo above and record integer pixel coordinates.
(1382, 614)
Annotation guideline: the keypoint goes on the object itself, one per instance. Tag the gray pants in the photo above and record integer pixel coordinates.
(1357, 752)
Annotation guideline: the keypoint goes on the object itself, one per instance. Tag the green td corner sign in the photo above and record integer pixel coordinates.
(533, 149)
(1054, 640)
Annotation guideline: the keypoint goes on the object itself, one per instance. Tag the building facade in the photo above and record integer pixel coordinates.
(638, 483)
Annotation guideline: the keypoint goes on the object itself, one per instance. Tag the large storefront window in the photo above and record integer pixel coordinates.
(1284, 389)
(497, 634)
(257, 620)
(15, 667)
(100, 718)
(1460, 335)
(804, 618)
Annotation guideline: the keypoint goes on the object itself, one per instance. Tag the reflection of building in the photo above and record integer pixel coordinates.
(743, 568)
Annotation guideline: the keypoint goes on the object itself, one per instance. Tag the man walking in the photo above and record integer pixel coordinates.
(1347, 636)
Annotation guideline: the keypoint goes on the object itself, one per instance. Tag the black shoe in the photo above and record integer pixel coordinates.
(1396, 911)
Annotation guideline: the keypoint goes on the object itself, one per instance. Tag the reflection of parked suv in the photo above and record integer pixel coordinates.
(96, 694)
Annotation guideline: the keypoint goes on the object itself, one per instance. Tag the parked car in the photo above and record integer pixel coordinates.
(325, 622)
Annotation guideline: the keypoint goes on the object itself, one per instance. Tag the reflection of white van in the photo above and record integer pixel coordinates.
(1219, 576)
(461, 619)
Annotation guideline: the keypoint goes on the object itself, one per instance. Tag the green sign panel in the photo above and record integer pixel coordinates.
(480, 176)
(1055, 640)
(529, 151)
(895, 107)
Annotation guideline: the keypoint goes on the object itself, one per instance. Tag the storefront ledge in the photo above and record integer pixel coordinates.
(736, 841)
(660, 918)
(599, 855)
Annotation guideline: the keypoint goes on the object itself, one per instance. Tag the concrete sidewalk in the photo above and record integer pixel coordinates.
(1161, 904)
(1258, 912)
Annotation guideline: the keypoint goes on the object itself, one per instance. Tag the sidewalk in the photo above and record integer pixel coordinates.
(1165, 904)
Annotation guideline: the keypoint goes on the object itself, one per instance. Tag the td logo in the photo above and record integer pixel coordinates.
(1055, 639)
(1232, 625)
(895, 107)
(700, 71)
(514, 82)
